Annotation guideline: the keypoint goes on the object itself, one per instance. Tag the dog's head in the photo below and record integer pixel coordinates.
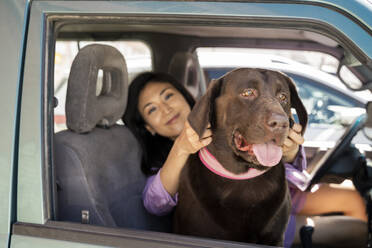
(249, 110)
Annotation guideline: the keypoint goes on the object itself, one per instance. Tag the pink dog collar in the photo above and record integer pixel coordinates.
(213, 165)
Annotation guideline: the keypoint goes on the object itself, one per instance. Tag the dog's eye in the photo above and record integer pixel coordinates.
(248, 93)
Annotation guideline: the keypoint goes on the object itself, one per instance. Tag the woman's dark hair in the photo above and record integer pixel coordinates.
(155, 148)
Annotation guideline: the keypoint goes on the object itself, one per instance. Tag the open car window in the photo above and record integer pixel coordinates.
(313, 72)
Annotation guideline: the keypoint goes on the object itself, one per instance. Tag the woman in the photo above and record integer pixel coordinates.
(157, 115)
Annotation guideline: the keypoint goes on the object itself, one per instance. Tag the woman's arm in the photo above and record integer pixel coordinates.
(160, 193)
(156, 199)
(188, 142)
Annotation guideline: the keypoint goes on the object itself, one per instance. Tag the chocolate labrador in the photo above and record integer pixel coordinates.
(235, 188)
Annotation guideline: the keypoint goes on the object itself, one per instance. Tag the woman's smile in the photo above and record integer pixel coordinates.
(173, 119)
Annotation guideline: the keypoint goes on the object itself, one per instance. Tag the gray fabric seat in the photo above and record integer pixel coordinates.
(97, 162)
(185, 67)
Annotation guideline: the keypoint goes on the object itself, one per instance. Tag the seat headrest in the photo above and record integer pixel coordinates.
(85, 109)
(184, 66)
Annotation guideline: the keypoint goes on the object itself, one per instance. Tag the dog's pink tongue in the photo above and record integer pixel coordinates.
(267, 154)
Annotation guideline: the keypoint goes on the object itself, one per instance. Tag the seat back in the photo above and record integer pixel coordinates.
(185, 67)
(97, 162)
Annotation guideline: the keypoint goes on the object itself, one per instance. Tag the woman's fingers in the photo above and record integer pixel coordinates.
(296, 137)
(206, 141)
(207, 133)
(297, 128)
(194, 141)
(193, 135)
(197, 145)
(288, 142)
(292, 142)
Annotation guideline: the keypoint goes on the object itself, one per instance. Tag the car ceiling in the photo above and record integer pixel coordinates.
(201, 31)
(252, 35)
(273, 38)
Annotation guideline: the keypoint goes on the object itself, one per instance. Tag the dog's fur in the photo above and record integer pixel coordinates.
(254, 210)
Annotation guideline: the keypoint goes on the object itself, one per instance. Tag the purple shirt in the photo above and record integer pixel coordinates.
(158, 201)
(296, 177)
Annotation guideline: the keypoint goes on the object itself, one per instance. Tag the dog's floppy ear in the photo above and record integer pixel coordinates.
(203, 111)
(297, 103)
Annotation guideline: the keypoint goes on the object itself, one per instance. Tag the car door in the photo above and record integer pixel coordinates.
(13, 16)
(36, 225)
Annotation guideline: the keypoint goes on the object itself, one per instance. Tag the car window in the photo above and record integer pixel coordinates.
(250, 56)
(137, 56)
(321, 101)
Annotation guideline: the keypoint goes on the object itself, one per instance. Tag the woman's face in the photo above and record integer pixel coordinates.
(163, 108)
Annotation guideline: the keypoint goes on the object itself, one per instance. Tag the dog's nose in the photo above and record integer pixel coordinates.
(277, 122)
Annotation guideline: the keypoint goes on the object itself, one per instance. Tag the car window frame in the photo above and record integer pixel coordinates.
(36, 148)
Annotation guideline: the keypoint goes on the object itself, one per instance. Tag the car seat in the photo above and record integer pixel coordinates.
(185, 67)
(97, 162)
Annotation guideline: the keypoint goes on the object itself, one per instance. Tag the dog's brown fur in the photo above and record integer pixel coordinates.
(254, 210)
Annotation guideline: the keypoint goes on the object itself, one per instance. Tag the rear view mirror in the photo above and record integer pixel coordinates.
(349, 79)
(349, 73)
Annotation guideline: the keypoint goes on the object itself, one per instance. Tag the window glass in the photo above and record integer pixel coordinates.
(323, 103)
(136, 53)
(318, 60)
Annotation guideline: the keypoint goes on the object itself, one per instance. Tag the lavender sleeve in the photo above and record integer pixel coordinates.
(298, 180)
(296, 176)
(296, 173)
(156, 199)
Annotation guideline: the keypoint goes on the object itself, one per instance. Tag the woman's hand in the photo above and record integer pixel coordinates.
(189, 142)
(291, 143)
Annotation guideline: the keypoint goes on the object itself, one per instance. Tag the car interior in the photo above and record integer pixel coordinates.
(96, 159)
